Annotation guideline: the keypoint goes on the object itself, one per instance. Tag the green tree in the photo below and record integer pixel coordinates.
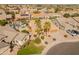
(47, 26)
(38, 30)
(3, 22)
(38, 23)
(58, 8)
(75, 15)
(66, 15)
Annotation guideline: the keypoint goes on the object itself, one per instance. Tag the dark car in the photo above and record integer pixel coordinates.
(72, 32)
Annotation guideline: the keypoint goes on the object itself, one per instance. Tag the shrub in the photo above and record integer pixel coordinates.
(42, 37)
(37, 40)
(54, 39)
(65, 36)
(25, 31)
(66, 15)
(54, 17)
(3, 22)
(36, 12)
(35, 35)
(46, 42)
(75, 15)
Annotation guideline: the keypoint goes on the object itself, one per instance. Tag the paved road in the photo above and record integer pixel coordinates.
(2, 44)
(64, 49)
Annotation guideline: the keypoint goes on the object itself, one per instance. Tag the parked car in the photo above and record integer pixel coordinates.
(73, 32)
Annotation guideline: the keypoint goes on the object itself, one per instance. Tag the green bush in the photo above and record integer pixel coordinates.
(42, 37)
(54, 17)
(25, 31)
(66, 15)
(3, 22)
(75, 15)
(37, 40)
(36, 12)
(56, 10)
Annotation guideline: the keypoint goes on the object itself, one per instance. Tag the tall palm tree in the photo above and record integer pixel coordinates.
(38, 23)
(47, 26)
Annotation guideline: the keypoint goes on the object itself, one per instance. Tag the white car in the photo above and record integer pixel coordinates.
(72, 32)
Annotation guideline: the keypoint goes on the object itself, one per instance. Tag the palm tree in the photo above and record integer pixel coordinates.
(38, 23)
(47, 26)
(38, 30)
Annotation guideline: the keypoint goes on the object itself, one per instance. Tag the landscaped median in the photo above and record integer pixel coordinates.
(31, 48)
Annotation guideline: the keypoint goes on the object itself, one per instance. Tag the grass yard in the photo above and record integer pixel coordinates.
(30, 49)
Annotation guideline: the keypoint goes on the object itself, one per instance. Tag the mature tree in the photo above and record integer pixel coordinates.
(58, 8)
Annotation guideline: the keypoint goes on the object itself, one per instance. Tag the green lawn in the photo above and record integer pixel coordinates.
(30, 49)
